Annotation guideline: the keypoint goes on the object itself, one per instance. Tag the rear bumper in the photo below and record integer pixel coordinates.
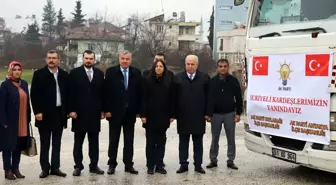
(317, 159)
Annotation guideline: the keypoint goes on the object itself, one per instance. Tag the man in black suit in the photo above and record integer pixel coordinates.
(86, 110)
(191, 101)
(49, 98)
(122, 105)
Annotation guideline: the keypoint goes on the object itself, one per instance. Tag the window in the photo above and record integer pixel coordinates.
(221, 45)
(188, 31)
(181, 31)
(159, 28)
(91, 47)
(289, 12)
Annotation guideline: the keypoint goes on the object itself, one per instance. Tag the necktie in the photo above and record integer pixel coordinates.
(89, 75)
(125, 78)
(191, 76)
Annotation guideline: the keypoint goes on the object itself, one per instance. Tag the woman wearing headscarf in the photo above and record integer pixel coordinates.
(15, 119)
(156, 114)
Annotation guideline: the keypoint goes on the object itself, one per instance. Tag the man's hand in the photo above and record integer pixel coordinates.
(39, 117)
(102, 115)
(108, 115)
(171, 120)
(208, 118)
(73, 115)
(144, 120)
(237, 118)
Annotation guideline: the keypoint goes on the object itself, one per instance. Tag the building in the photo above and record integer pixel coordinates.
(231, 46)
(173, 33)
(105, 39)
(228, 16)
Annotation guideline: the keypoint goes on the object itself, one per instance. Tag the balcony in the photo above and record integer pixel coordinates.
(72, 53)
(188, 37)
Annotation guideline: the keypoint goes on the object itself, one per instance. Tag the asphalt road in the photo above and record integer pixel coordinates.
(253, 168)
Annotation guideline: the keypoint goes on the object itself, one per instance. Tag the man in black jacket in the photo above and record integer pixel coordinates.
(191, 88)
(86, 110)
(49, 98)
(224, 107)
(122, 105)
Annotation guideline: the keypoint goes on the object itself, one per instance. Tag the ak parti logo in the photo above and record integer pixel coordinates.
(260, 66)
(317, 64)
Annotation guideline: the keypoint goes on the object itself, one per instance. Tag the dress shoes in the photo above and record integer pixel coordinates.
(211, 165)
(44, 174)
(111, 170)
(58, 172)
(200, 170)
(131, 170)
(182, 169)
(97, 170)
(77, 172)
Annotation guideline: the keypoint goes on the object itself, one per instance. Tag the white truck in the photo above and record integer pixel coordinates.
(278, 27)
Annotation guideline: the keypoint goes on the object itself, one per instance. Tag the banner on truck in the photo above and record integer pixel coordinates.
(288, 96)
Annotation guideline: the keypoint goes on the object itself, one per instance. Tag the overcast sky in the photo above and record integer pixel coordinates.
(115, 8)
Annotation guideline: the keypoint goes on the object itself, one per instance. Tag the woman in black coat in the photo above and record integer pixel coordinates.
(15, 119)
(156, 114)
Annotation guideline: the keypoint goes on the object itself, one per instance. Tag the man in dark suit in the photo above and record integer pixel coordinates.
(122, 105)
(161, 57)
(49, 98)
(191, 88)
(86, 110)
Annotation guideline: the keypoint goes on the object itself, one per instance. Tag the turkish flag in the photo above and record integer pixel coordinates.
(317, 64)
(260, 65)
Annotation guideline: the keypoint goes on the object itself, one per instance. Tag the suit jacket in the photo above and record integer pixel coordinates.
(121, 102)
(86, 99)
(9, 111)
(191, 102)
(43, 97)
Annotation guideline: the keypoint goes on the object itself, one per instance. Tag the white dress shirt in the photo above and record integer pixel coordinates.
(58, 91)
(193, 75)
(87, 71)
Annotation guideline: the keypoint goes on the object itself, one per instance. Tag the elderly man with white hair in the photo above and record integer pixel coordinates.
(191, 101)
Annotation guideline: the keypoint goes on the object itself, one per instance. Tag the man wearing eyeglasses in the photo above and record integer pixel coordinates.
(224, 108)
(48, 98)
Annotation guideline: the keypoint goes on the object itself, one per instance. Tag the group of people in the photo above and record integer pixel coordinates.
(87, 95)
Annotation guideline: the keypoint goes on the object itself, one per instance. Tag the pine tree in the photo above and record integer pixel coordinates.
(49, 19)
(211, 29)
(32, 35)
(78, 18)
(60, 23)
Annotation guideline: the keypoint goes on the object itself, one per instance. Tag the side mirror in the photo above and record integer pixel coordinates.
(238, 2)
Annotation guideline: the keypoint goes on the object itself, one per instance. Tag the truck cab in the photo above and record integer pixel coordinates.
(278, 27)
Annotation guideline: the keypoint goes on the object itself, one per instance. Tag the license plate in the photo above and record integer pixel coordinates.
(284, 155)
